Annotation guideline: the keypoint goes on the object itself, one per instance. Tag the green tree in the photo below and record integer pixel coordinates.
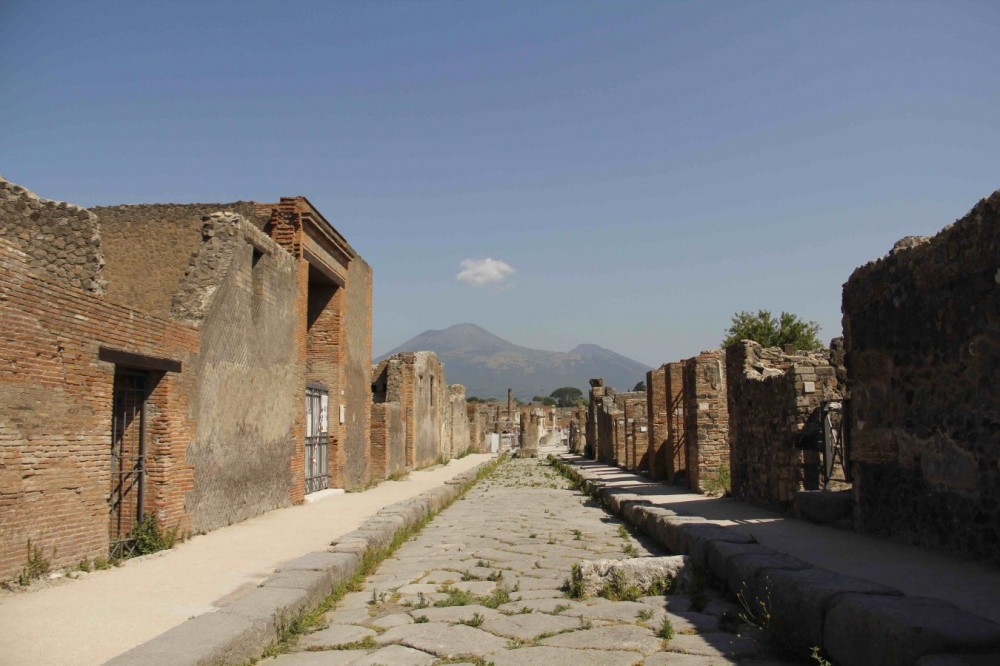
(762, 327)
(544, 400)
(567, 396)
(640, 386)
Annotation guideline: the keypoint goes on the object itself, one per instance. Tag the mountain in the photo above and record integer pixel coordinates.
(487, 364)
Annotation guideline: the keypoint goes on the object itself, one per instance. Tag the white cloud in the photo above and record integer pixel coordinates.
(479, 272)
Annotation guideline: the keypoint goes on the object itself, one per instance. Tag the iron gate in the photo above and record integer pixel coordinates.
(128, 459)
(317, 411)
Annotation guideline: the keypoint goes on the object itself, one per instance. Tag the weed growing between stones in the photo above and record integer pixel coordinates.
(475, 621)
(781, 633)
(288, 630)
(618, 587)
(148, 537)
(644, 615)
(455, 597)
(666, 630)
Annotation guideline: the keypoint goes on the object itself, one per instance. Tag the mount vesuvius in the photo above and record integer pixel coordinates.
(487, 364)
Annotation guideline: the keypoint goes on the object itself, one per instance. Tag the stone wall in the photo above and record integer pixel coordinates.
(706, 419)
(388, 438)
(240, 290)
(356, 396)
(458, 422)
(55, 411)
(922, 339)
(57, 237)
(633, 406)
(772, 396)
(676, 448)
(148, 248)
(595, 394)
(416, 380)
(657, 409)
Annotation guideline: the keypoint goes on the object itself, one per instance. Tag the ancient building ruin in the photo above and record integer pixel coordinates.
(776, 401)
(433, 416)
(212, 350)
(922, 342)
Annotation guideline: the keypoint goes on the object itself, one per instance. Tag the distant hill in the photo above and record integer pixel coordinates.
(487, 364)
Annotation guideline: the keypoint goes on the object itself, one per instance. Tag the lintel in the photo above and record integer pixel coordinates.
(139, 361)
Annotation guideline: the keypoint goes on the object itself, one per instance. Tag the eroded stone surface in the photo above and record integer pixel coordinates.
(484, 581)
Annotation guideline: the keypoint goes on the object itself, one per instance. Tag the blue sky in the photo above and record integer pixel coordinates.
(646, 169)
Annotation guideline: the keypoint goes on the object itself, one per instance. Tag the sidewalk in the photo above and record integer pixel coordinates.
(862, 599)
(971, 586)
(94, 619)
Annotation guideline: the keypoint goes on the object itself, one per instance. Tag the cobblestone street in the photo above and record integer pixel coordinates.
(484, 583)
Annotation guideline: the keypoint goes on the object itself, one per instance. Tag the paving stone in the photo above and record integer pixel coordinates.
(617, 611)
(454, 613)
(529, 625)
(716, 644)
(348, 616)
(334, 636)
(480, 587)
(678, 659)
(390, 621)
(553, 656)
(442, 639)
(395, 655)
(541, 605)
(325, 658)
(617, 636)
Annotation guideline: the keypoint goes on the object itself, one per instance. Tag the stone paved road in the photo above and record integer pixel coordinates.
(483, 583)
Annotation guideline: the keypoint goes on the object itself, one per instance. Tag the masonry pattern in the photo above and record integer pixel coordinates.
(922, 341)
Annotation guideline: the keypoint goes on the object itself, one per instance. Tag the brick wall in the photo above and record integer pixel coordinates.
(922, 339)
(676, 454)
(62, 239)
(657, 409)
(460, 439)
(706, 418)
(55, 413)
(772, 395)
(388, 440)
(148, 248)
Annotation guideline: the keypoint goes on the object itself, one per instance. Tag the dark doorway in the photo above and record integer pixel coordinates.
(128, 458)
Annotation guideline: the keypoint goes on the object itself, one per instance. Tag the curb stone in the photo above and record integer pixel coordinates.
(855, 621)
(241, 629)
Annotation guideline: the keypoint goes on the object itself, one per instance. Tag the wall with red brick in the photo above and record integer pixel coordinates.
(676, 454)
(706, 416)
(55, 413)
(657, 409)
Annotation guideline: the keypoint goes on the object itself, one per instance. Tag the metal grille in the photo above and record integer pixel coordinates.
(128, 453)
(317, 438)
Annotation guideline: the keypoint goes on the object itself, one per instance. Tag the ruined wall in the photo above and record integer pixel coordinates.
(922, 339)
(676, 454)
(706, 419)
(416, 380)
(62, 239)
(595, 395)
(772, 395)
(476, 419)
(247, 394)
(607, 415)
(55, 411)
(388, 438)
(632, 406)
(357, 396)
(657, 410)
(148, 248)
(458, 418)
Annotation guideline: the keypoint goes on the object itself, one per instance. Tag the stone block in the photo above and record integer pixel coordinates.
(717, 554)
(212, 638)
(341, 565)
(873, 629)
(667, 531)
(317, 583)
(695, 538)
(824, 507)
(799, 599)
(743, 570)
